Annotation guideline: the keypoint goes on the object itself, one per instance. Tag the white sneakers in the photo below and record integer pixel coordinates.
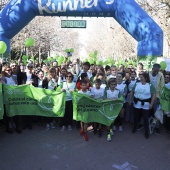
(120, 128)
(64, 128)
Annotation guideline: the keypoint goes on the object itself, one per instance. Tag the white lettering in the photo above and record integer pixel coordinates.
(72, 5)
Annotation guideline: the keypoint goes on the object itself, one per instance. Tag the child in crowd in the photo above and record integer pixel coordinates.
(84, 90)
(112, 94)
(97, 93)
(83, 76)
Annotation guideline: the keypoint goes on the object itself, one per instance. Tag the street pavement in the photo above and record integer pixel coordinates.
(39, 149)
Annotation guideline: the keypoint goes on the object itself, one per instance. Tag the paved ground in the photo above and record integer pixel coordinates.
(38, 149)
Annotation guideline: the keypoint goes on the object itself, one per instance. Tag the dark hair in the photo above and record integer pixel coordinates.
(69, 73)
(146, 76)
(86, 64)
(83, 81)
(156, 66)
(98, 81)
(112, 80)
(133, 72)
(107, 67)
(83, 75)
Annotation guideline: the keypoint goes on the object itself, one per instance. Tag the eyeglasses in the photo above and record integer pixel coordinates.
(8, 70)
(68, 76)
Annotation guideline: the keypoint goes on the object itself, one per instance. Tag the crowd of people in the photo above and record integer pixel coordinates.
(140, 89)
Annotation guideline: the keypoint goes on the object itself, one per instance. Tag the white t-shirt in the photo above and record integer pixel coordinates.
(112, 94)
(52, 84)
(153, 79)
(97, 93)
(39, 83)
(28, 78)
(168, 85)
(142, 92)
(69, 87)
(10, 81)
(87, 92)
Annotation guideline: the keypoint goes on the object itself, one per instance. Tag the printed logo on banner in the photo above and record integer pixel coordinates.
(110, 107)
(14, 91)
(47, 103)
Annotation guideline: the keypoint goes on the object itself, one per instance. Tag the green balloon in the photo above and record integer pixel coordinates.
(72, 50)
(24, 57)
(120, 61)
(3, 47)
(91, 61)
(29, 42)
(163, 65)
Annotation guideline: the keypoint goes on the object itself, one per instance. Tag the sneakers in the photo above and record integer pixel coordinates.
(139, 127)
(114, 128)
(120, 129)
(109, 137)
(85, 137)
(52, 125)
(47, 126)
(111, 132)
(63, 128)
(69, 128)
(81, 132)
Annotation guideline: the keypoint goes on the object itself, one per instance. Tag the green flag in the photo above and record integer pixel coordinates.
(30, 100)
(165, 99)
(1, 103)
(87, 109)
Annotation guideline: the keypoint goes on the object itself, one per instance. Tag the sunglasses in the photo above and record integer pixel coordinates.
(68, 76)
(30, 66)
(166, 77)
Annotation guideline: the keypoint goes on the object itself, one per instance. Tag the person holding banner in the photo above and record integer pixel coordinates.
(8, 79)
(31, 79)
(50, 82)
(97, 93)
(84, 90)
(144, 96)
(112, 94)
(68, 86)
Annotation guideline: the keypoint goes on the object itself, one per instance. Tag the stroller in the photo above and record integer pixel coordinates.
(156, 119)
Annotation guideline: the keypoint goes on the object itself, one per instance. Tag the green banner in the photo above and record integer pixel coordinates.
(1, 103)
(165, 99)
(87, 109)
(29, 100)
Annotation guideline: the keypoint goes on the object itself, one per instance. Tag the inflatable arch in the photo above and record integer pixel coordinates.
(18, 13)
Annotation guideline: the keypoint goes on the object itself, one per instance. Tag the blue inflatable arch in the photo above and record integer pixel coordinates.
(18, 13)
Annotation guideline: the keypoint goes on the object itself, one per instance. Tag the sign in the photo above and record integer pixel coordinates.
(73, 23)
(87, 109)
(30, 100)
